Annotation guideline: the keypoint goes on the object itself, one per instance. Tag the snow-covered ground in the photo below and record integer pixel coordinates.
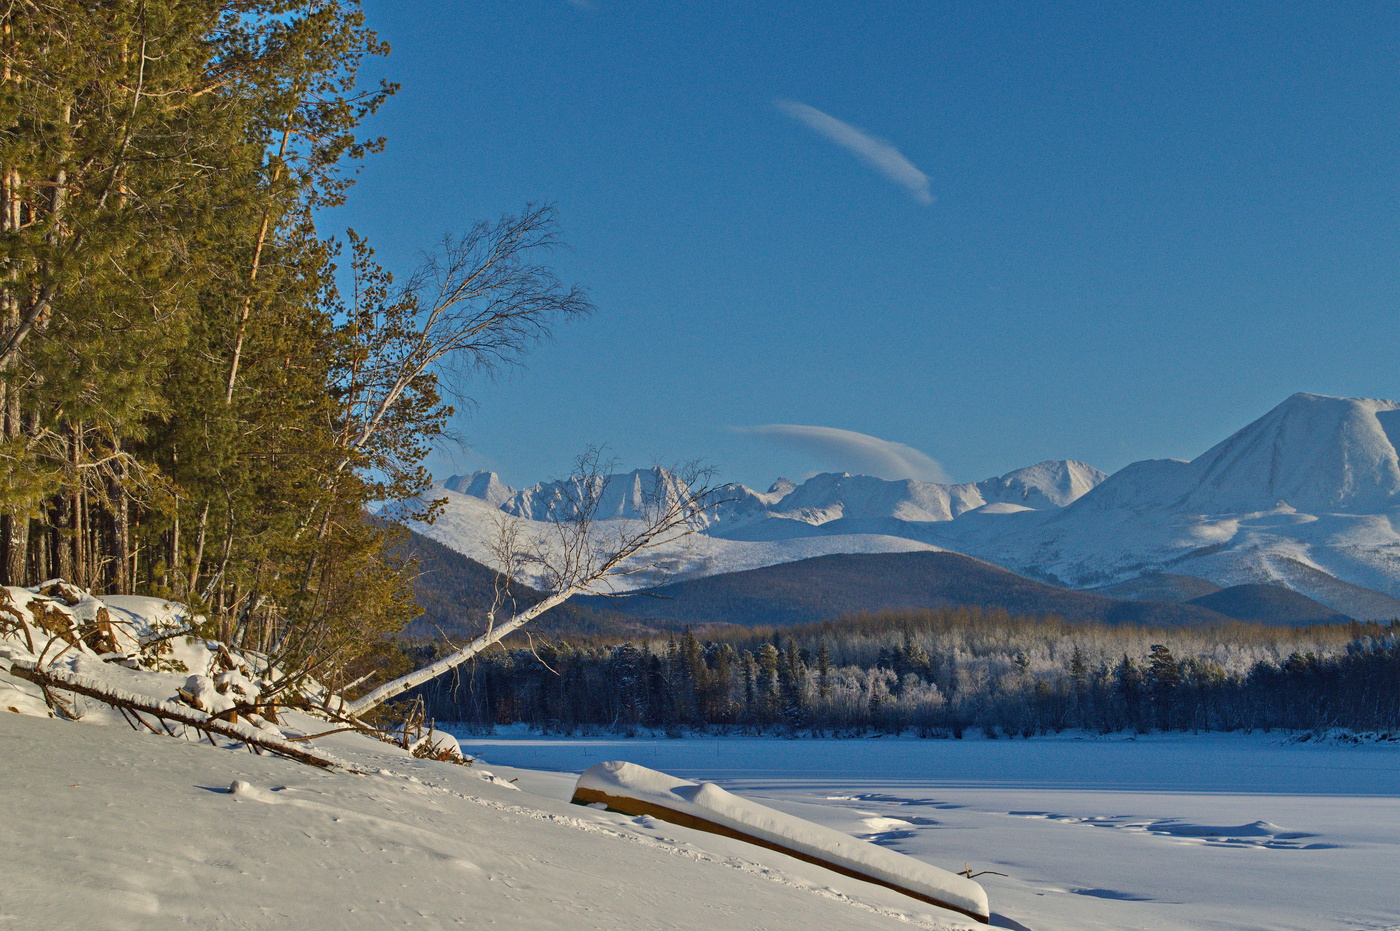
(1162, 832)
(106, 827)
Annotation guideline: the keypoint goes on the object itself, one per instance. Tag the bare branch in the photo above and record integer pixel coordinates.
(580, 555)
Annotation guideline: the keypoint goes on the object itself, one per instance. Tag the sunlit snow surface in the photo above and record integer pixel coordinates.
(1161, 832)
(104, 828)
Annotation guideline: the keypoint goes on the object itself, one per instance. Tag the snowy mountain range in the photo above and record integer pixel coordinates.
(1304, 497)
(819, 500)
(827, 514)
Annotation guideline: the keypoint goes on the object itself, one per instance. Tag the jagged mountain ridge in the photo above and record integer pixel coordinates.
(1305, 496)
(624, 496)
(818, 500)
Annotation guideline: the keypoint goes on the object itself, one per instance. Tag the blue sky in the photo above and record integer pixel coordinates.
(989, 233)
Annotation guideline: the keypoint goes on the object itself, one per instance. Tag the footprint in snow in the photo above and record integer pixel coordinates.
(1112, 894)
(1262, 834)
(1254, 834)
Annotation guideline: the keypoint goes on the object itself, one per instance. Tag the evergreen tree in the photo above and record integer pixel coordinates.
(1130, 688)
(766, 699)
(1163, 679)
(171, 344)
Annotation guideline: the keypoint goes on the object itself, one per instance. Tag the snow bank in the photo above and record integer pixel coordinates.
(636, 790)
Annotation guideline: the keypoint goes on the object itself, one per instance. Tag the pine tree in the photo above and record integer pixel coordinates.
(168, 344)
(1130, 688)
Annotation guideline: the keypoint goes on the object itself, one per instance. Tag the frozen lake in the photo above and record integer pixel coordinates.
(1167, 831)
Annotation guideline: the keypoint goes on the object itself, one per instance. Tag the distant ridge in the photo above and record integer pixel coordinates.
(1160, 586)
(1271, 604)
(1252, 601)
(830, 587)
(455, 594)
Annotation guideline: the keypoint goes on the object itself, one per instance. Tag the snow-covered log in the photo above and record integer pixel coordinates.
(636, 790)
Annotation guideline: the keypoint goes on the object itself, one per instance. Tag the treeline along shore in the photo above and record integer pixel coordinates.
(938, 673)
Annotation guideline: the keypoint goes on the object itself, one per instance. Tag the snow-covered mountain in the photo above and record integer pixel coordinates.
(623, 496)
(830, 496)
(828, 513)
(1307, 496)
(819, 500)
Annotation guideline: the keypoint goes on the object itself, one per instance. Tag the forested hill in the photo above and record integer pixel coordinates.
(829, 587)
(1271, 604)
(938, 673)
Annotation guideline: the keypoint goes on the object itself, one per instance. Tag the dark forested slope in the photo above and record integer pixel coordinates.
(828, 587)
(455, 593)
(1271, 604)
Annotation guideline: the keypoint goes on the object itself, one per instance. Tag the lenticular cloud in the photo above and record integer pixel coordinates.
(854, 452)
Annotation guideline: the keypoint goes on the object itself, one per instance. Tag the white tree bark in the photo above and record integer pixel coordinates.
(576, 561)
(391, 690)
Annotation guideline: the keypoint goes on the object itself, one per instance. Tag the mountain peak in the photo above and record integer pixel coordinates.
(623, 495)
(1320, 454)
(484, 485)
(1053, 483)
(783, 486)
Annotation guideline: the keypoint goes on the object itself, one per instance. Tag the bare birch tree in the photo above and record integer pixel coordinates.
(476, 303)
(579, 553)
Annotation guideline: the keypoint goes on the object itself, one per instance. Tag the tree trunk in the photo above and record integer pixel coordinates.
(198, 553)
(121, 536)
(397, 687)
(172, 566)
(15, 526)
(246, 306)
(39, 542)
(60, 533)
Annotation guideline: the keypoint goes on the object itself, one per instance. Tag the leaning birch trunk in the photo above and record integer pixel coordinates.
(397, 687)
(583, 562)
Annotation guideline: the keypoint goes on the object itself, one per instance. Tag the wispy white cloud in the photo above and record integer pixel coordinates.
(858, 453)
(874, 151)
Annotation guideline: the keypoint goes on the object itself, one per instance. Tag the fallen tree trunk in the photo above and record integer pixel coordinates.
(636, 790)
(50, 678)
